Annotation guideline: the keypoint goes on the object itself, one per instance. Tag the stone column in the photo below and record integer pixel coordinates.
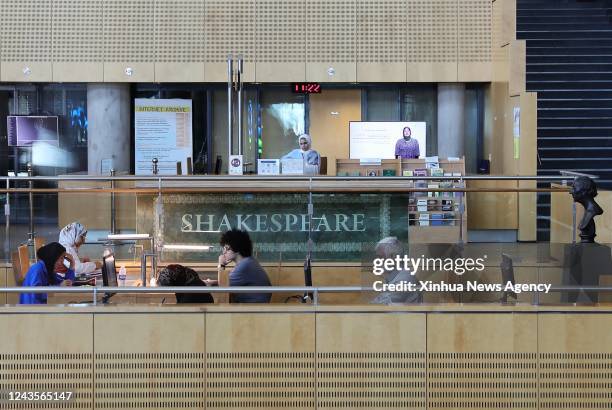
(108, 133)
(451, 117)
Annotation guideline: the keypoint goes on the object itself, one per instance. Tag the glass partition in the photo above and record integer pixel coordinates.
(469, 242)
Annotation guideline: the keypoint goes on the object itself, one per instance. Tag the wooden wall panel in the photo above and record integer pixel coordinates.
(371, 361)
(179, 41)
(432, 41)
(518, 67)
(281, 41)
(381, 40)
(474, 40)
(129, 49)
(260, 360)
(482, 361)
(41, 353)
(492, 210)
(229, 29)
(330, 41)
(162, 355)
(78, 41)
(527, 201)
(575, 358)
(330, 132)
(26, 40)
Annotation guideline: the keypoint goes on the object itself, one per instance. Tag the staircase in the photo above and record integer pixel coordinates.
(569, 65)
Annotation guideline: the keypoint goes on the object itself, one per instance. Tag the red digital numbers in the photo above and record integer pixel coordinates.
(306, 88)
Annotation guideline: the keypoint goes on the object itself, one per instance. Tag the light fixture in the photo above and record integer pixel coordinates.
(183, 247)
(26, 71)
(129, 236)
(129, 71)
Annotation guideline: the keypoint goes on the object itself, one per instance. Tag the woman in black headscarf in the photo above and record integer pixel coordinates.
(54, 268)
(179, 275)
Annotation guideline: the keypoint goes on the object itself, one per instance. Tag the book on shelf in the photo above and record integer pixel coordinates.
(449, 219)
(354, 174)
(424, 219)
(422, 205)
(388, 172)
(372, 172)
(412, 208)
(412, 219)
(436, 219)
(437, 172)
(420, 172)
(407, 173)
(456, 174)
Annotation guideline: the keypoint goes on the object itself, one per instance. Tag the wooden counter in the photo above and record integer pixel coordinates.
(310, 357)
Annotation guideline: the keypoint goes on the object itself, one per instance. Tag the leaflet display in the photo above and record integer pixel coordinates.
(377, 139)
(162, 130)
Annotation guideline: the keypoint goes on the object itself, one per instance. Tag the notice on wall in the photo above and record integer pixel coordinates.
(162, 130)
(516, 131)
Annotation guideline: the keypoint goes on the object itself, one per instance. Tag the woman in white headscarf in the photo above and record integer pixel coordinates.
(312, 159)
(72, 236)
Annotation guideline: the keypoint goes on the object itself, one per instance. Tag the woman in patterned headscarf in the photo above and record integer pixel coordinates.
(72, 236)
(179, 275)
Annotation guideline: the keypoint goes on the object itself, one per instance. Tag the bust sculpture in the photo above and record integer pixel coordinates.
(584, 191)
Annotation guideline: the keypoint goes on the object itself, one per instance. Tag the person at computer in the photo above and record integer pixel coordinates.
(407, 147)
(72, 236)
(179, 275)
(238, 249)
(53, 268)
(389, 248)
(311, 158)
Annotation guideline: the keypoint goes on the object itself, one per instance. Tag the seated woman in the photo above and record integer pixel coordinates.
(179, 275)
(52, 269)
(312, 159)
(72, 236)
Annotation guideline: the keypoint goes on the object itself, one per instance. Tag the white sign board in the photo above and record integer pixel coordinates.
(268, 166)
(162, 130)
(235, 165)
(377, 139)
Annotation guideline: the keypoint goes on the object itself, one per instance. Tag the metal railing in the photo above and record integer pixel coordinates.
(314, 290)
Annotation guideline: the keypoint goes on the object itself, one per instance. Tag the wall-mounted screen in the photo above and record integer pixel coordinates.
(26, 130)
(378, 139)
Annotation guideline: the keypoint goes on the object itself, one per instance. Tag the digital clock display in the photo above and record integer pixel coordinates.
(306, 88)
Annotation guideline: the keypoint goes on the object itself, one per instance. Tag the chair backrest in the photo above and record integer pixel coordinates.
(16, 268)
(323, 166)
(24, 260)
(39, 242)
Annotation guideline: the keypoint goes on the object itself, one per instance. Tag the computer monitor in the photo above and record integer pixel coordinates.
(507, 275)
(109, 271)
(307, 280)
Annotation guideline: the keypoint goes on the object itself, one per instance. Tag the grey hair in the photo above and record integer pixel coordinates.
(390, 247)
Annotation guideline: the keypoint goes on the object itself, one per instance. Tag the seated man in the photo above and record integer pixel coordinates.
(389, 248)
(179, 275)
(238, 248)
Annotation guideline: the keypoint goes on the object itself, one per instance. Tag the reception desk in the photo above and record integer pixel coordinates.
(428, 356)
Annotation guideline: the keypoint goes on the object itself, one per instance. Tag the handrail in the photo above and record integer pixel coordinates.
(283, 178)
(236, 289)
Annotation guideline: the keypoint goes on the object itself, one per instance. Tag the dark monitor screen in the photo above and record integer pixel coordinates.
(507, 269)
(27, 130)
(109, 272)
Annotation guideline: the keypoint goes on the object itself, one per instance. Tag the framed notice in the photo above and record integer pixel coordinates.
(162, 130)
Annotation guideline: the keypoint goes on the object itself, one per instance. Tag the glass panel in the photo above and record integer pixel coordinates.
(420, 103)
(282, 120)
(471, 131)
(382, 105)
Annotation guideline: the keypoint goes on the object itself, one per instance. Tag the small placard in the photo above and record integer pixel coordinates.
(235, 165)
(268, 166)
